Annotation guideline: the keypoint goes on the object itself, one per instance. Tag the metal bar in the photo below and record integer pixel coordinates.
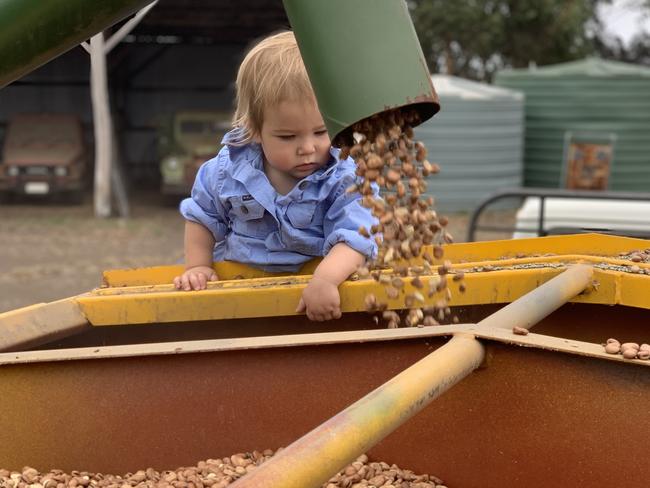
(495, 334)
(540, 219)
(32, 32)
(534, 306)
(549, 193)
(40, 324)
(117, 37)
(314, 458)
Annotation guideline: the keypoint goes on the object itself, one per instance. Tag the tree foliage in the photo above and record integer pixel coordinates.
(474, 38)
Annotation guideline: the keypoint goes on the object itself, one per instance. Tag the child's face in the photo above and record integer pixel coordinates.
(294, 139)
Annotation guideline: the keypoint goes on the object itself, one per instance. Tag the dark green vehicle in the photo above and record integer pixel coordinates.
(191, 139)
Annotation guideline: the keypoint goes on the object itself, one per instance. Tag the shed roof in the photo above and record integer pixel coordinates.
(212, 21)
(589, 67)
(452, 86)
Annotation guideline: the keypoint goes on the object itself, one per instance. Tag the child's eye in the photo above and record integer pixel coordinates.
(286, 137)
(321, 132)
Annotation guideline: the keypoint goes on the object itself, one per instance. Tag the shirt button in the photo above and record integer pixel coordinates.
(303, 185)
(244, 210)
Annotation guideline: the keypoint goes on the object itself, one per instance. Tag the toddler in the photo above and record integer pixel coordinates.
(275, 195)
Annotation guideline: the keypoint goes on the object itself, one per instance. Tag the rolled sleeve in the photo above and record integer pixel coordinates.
(204, 207)
(343, 220)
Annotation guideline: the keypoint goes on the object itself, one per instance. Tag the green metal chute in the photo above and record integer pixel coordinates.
(32, 32)
(363, 58)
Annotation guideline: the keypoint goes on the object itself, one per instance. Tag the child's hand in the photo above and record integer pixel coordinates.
(320, 300)
(195, 278)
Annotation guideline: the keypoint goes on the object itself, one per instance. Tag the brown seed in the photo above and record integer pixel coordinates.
(612, 348)
(519, 331)
(363, 231)
(387, 218)
(417, 282)
(372, 174)
(442, 284)
(356, 151)
(374, 162)
(401, 189)
(420, 152)
(370, 302)
(630, 353)
(430, 321)
(390, 315)
(438, 252)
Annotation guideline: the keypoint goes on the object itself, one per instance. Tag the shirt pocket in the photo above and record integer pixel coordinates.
(303, 215)
(248, 218)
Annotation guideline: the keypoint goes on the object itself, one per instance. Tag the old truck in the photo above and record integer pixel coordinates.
(188, 141)
(44, 154)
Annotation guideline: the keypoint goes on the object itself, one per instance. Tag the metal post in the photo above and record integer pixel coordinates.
(317, 456)
(102, 125)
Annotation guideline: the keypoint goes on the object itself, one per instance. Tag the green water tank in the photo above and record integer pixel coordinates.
(593, 97)
(477, 139)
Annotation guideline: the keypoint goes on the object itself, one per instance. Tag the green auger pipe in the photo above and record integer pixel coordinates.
(363, 57)
(32, 32)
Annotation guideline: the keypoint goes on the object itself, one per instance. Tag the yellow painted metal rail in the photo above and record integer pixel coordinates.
(495, 272)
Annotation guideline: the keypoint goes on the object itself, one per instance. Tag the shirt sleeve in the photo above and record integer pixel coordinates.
(345, 216)
(204, 206)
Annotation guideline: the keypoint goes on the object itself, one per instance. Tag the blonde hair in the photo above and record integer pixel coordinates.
(272, 72)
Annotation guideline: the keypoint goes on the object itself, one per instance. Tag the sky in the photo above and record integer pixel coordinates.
(624, 19)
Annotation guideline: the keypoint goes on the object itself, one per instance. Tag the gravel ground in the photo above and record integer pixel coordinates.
(53, 251)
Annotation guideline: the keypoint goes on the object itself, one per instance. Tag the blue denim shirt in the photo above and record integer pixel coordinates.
(253, 224)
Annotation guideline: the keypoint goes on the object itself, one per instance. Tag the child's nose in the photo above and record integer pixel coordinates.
(307, 146)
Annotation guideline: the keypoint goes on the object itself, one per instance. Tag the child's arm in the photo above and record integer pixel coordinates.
(199, 243)
(320, 299)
